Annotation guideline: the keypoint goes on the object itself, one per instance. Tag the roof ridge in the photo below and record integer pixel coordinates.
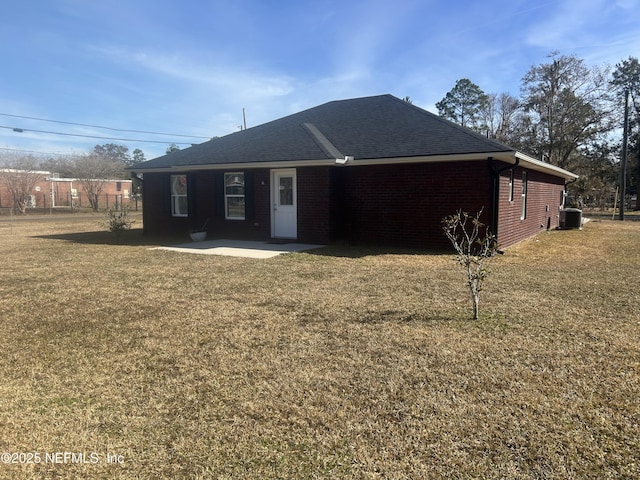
(323, 142)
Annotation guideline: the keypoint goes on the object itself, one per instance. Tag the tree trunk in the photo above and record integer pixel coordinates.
(475, 307)
(474, 288)
(21, 205)
(475, 296)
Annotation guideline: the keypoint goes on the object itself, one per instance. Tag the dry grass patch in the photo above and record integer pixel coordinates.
(345, 364)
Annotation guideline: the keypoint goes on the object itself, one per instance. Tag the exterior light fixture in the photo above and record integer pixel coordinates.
(344, 161)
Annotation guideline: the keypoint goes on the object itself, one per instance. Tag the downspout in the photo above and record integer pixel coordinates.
(566, 184)
(136, 176)
(495, 192)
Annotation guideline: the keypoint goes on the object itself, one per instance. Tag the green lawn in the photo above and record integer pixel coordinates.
(339, 363)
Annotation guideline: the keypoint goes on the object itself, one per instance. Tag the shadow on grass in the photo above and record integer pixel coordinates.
(133, 237)
(399, 316)
(392, 316)
(461, 319)
(348, 250)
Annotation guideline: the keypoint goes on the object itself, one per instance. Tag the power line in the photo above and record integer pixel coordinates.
(21, 130)
(98, 126)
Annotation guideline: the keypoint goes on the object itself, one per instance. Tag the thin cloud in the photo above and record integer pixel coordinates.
(221, 78)
(574, 23)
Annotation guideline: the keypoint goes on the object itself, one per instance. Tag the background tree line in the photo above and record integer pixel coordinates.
(567, 114)
(92, 170)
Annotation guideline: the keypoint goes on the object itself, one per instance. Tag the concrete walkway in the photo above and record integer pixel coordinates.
(238, 248)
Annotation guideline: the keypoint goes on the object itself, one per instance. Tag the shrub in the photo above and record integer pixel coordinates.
(118, 220)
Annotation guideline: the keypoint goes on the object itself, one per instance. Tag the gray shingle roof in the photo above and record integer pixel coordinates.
(375, 127)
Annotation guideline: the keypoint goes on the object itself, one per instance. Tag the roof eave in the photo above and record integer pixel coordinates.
(237, 166)
(463, 157)
(329, 162)
(540, 166)
(504, 156)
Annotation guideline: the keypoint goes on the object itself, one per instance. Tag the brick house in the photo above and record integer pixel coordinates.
(53, 191)
(373, 170)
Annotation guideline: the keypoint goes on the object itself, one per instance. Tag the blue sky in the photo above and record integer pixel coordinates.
(189, 67)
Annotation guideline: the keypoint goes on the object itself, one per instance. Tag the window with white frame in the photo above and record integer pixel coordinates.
(179, 204)
(511, 185)
(234, 198)
(523, 215)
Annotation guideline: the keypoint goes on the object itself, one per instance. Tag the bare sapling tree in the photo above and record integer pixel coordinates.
(20, 177)
(474, 245)
(93, 171)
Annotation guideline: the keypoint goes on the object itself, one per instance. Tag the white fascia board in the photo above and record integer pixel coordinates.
(508, 157)
(239, 166)
(504, 156)
(526, 161)
(544, 167)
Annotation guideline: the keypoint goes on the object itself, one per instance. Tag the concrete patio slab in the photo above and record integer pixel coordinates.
(239, 248)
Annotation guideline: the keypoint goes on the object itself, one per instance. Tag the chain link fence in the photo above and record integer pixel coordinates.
(44, 203)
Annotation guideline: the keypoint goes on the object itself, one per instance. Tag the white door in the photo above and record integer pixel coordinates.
(285, 215)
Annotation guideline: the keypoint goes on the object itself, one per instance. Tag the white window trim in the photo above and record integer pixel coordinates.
(175, 197)
(525, 187)
(227, 196)
(511, 185)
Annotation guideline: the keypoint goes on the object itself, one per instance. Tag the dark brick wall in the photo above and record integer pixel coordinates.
(544, 196)
(401, 205)
(206, 201)
(405, 204)
(261, 223)
(156, 211)
(316, 200)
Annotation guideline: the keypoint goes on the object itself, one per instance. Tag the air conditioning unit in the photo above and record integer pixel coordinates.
(571, 218)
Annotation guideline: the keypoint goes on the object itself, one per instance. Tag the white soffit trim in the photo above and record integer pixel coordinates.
(504, 156)
(508, 157)
(247, 165)
(544, 167)
(526, 161)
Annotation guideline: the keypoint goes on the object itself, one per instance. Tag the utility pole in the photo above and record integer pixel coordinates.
(623, 163)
